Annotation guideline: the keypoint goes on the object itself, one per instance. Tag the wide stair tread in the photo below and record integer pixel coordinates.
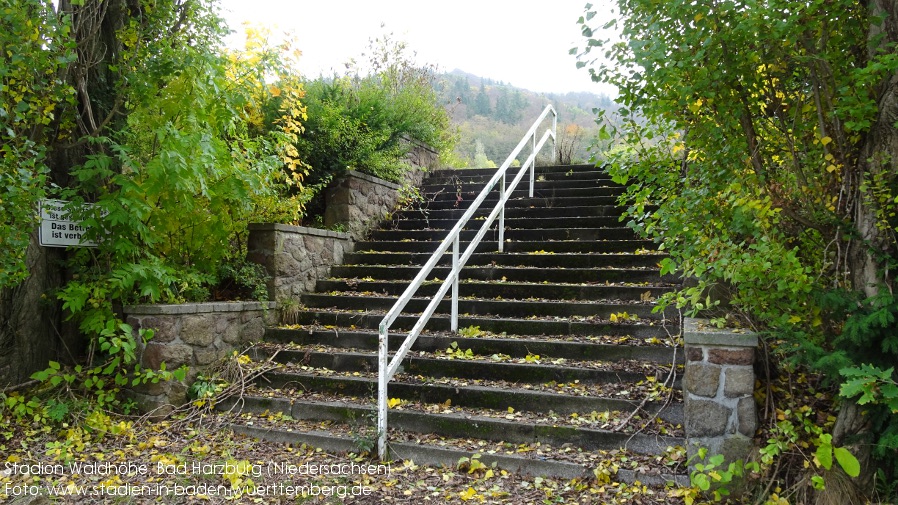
(505, 289)
(538, 400)
(523, 274)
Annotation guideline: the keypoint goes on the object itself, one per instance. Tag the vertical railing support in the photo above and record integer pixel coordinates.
(502, 214)
(456, 272)
(383, 339)
(533, 166)
(554, 141)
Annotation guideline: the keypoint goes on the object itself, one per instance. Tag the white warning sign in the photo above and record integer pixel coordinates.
(57, 229)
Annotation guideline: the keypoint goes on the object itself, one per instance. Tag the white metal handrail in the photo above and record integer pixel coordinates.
(386, 370)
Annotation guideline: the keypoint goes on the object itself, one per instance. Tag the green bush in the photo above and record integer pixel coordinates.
(360, 121)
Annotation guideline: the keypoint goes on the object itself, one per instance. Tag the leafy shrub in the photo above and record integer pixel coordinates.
(359, 121)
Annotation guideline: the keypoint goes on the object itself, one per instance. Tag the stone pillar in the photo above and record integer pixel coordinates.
(295, 257)
(718, 387)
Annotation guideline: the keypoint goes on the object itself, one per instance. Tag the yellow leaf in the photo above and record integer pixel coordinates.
(510, 410)
(699, 17)
(794, 319)
(393, 402)
(695, 107)
(831, 168)
(826, 140)
(467, 495)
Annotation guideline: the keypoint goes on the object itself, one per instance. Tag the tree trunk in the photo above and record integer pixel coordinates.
(876, 243)
(31, 328)
(30, 318)
(878, 162)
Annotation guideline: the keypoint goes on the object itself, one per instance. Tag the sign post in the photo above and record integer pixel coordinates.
(57, 229)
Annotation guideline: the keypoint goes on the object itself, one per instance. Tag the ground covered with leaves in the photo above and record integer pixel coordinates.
(196, 458)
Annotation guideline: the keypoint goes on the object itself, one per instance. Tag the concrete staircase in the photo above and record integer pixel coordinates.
(558, 344)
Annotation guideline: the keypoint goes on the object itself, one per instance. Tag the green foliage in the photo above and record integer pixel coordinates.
(712, 118)
(359, 121)
(343, 135)
(35, 45)
(456, 352)
(856, 343)
(205, 388)
(878, 390)
(193, 146)
(470, 332)
(488, 137)
(712, 478)
(748, 151)
(241, 279)
(826, 451)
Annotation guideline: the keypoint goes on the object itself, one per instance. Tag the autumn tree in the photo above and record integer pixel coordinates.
(569, 139)
(767, 133)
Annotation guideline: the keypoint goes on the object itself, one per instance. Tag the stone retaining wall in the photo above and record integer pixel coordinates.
(192, 334)
(718, 387)
(295, 257)
(421, 155)
(359, 202)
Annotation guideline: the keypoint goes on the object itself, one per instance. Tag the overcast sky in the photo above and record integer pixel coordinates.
(521, 43)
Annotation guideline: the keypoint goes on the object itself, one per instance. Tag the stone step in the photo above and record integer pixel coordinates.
(513, 234)
(452, 180)
(435, 367)
(472, 395)
(454, 176)
(509, 274)
(518, 223)
(549, 194)
(488, 172)
(461, 425)
(513, 212)
(467, 187)
(611, 260)
(508, 290)
(539, 460)
(370, 319)
(499, 308)
(514, 246)
(514, 346)
(523, 202)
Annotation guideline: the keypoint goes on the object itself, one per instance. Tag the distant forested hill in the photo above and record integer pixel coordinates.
(492, 116)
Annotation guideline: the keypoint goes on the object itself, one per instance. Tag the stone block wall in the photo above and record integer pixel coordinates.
(359, 202)
(192, 334)
(295, 256)
(718, 386)
(421, 155)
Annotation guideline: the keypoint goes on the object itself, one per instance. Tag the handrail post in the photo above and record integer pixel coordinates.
(554, 135)
(456, 272)
(533, 165)
(502, 214)
(382, 380)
